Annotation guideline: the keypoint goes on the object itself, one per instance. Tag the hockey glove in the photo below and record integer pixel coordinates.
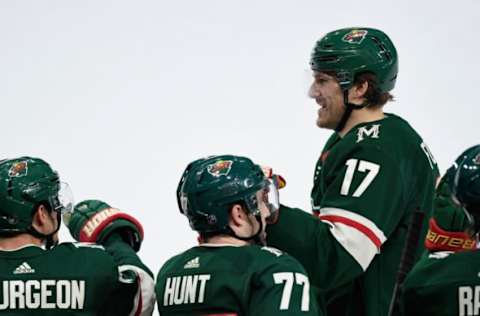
(447, 226)
(94, 221)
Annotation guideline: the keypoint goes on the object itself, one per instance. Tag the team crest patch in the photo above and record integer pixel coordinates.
(355, 36)
(220, 168)
(18, 169)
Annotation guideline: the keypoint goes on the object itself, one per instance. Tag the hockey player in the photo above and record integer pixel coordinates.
(373, 172)
(448, 225)
(226, 200)
(38, 277)
(447, 281)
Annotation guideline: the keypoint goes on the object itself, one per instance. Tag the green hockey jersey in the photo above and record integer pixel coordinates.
(234, 280)
(366, 185)
(443, 284)
(75, 279)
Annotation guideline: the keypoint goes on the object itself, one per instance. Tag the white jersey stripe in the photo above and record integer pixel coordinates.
(146, 290)
(361, 246)
(358, 245)
(357, 218)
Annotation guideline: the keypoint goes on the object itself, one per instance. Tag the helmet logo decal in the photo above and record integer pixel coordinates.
(220, 168)
(18, 169)
(355, 36)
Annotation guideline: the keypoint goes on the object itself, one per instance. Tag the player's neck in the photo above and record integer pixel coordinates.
(226, 240)
(364, 115)
(19, 241)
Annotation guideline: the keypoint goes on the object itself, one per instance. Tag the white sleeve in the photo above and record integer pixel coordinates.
(144, 301)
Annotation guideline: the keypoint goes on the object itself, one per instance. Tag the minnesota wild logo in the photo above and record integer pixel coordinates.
(18, 169)
(220, 168)
(355, 36)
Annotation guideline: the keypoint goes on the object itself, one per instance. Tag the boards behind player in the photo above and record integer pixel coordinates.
(227, 200)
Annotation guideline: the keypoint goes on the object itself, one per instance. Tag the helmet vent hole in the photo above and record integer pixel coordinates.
(331, 58)
(10, 188)
(383, 50)
(388, 55)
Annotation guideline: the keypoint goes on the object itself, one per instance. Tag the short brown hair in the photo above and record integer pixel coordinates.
(375, 98)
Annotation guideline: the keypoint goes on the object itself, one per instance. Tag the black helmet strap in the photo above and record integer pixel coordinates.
(255, 237)
(49, 242)
(349, 107)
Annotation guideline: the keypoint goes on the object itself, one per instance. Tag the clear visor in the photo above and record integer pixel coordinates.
(271, 197)
(64, 202)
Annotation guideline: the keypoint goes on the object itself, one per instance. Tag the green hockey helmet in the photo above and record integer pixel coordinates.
(351, 51)
(209, 186)
(466, 181)
(26, 182)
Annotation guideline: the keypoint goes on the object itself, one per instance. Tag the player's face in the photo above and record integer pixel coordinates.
(327, 93)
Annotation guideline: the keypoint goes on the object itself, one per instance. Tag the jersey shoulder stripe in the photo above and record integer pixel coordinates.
(358, 235)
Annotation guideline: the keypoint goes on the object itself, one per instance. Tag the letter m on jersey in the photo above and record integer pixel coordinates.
(372, 131)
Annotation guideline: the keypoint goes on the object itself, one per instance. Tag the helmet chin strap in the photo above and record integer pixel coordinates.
(257, 239)
(349, 107)
(49, 241)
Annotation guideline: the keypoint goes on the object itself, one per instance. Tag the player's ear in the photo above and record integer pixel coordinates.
(41, 219)
(359, 89)
(238, 217)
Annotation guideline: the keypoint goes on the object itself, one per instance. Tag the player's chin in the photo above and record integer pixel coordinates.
(322, 122)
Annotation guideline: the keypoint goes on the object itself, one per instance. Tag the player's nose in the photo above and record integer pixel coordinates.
(313, 91)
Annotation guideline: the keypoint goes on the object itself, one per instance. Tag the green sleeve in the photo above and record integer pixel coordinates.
(123, 253)
(132, 272)
(283, 288)
(308, 239)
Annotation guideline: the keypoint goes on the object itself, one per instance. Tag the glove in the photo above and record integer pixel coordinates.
(94, 221)
(277, 179)
(447, 226)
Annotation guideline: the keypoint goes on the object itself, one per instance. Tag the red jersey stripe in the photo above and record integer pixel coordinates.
(360, 227)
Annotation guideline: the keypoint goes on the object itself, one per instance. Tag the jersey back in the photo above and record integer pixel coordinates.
(443, 283)
(70, 279)
(229, 280)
